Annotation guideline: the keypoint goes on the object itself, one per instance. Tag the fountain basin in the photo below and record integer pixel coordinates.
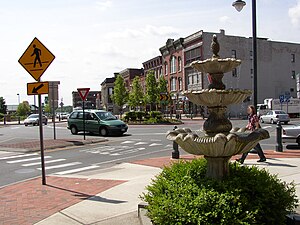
(217, 98)
(221, 145)
(216, 65)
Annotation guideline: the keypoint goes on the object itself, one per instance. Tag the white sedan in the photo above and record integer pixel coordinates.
(274, 116)
(291, 134)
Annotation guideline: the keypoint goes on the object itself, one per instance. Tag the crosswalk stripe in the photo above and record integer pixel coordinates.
(141, 143)
(61, 166)
(26, 160)
(154, 144)
(47, 162)
(76, 170)
(17, 156)
(127, 142)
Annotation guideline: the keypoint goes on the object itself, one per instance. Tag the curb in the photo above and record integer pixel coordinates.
(142, 214)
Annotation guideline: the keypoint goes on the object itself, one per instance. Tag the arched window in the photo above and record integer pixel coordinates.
(173, 65)
(179, 64)
(166, 68)
(173, 84)
(180, 84)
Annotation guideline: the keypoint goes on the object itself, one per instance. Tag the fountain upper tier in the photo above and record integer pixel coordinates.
(215, 65)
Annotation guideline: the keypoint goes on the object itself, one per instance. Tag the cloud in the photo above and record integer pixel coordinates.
(104, 5)
(294, 14)
(156, 31)
(225, 19)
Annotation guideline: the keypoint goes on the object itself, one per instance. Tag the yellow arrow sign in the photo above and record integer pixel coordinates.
(37, 88)
(36, 59)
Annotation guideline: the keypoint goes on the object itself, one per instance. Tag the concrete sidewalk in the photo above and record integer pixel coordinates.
(108, 196)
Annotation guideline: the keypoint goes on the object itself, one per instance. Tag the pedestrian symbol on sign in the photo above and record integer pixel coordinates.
(37, 52)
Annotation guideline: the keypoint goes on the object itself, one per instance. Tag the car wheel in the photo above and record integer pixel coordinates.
(272, 121)
(26, 125)
(74, 130)
(45, 123)
(261, 120)
(103, 131)
(286, 123)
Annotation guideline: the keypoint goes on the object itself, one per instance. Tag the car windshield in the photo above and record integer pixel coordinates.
(105, 116)
(280, 112)
(33, 116)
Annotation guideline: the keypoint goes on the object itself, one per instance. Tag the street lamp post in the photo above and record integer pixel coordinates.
(239, 5)
(18, 98)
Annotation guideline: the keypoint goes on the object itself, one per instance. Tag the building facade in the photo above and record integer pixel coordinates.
(129, 74)
(156, 65)
(107, 90)
(92, 100)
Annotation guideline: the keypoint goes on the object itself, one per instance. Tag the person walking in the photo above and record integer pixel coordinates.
(253, 123)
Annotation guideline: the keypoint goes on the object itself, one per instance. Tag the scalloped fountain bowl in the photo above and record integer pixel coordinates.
(221, 145)
(216, 65)
(213, 97)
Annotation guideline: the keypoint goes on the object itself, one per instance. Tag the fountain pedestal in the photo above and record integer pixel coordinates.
(217, 167)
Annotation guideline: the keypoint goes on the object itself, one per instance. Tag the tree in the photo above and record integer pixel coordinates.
(151, 95)
(136, 95)
(23, 109)
(47, 108)
(120, 95)
(3, 106)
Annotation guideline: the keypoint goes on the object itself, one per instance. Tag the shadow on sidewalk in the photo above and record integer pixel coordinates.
(84, 196)
(274, 164)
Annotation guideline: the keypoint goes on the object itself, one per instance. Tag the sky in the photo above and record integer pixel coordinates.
(92, 39)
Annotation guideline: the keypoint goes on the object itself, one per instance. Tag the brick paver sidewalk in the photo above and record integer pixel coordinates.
(165, 161)
(29, 202)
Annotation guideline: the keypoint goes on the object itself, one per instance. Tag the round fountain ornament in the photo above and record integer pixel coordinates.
(219, 141)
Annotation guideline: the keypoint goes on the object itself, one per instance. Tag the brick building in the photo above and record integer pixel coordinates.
(129, 74)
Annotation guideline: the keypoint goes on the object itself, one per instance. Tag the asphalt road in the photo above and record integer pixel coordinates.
(140, 142)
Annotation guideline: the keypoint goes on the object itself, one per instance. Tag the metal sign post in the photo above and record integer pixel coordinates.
(83, 120)
(83, 92)
(53, 115)
(42, 141)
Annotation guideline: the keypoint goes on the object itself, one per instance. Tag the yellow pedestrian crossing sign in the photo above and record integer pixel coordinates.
(36, 59)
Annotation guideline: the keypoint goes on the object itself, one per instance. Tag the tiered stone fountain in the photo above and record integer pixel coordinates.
(219, 141)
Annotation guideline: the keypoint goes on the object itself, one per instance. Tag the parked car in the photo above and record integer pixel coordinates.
(96, 121)
(273, 116)
(34, 120)
(291, 134)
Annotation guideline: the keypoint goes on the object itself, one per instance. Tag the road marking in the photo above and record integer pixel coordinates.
(6, 140)
(154, 144)
(76, 170)
(14, 128)
(266, 127)
(168, 146)
(150, 134)
(26, 160)
(17, 156)
(61, 166)
(47, 162)
(127, 142)
(141, 143)
(154, 140)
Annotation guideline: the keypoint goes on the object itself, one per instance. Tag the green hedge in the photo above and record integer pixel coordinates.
(182, 195)
(145, 116)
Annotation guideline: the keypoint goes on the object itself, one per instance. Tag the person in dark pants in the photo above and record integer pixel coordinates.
(253, 123)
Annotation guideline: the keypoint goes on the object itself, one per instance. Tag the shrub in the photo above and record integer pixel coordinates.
(156, 114)
(131, 115)
(140, 115)
(182, 194)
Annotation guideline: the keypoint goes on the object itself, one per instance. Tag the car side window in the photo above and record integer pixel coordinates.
(80, 115)
(89, 116)
(73, 115)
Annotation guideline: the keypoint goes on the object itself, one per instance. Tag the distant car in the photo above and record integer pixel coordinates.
(96, 121)
(291, 134)
(62, 116)
(273, 116)
(34, 120)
